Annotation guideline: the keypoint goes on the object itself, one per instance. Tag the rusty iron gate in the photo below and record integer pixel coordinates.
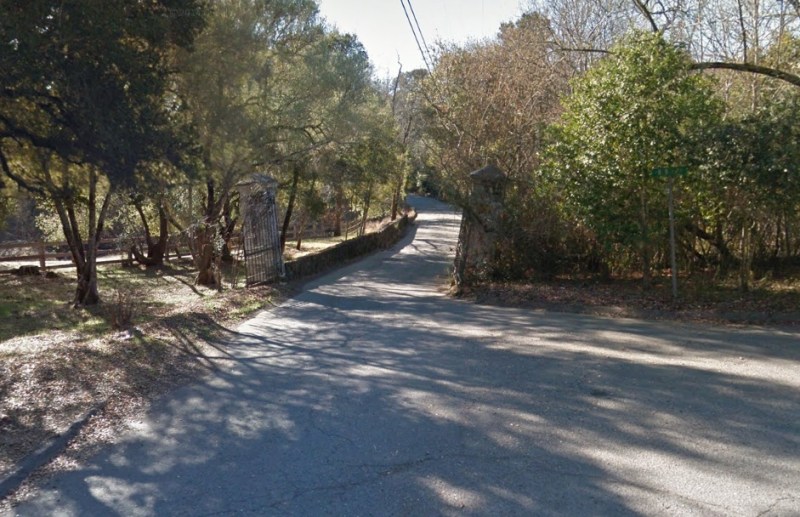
(260, 235)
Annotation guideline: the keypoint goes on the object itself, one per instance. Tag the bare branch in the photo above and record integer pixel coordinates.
(19, 180)
(647, 14)
(586, 50)
(751, 68)
(743, 29)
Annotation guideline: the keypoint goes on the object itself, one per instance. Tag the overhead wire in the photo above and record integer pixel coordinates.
(416, 38)
(419, 29)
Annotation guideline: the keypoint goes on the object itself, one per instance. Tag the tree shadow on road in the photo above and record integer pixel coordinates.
(374, 397)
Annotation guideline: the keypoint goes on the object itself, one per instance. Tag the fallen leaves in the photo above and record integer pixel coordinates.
(51, 378)
(718, 304)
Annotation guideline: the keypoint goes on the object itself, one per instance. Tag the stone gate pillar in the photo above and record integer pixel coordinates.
(480, 223)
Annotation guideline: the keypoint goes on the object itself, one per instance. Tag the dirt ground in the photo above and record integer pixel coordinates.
(58, 363)
(767, 303)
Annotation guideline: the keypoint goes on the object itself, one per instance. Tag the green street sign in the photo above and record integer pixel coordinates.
(670, 172)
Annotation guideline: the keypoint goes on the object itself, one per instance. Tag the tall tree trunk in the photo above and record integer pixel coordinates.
(202, 239)
(746, 251)
(290, 205)
(301, 230)
(74, 230)
(337, 222)
(398, 188)
(727, 260)
(227, 230)
(367, 200)
(75, 245)
(86, 292)
(159, 248)
(203, 253)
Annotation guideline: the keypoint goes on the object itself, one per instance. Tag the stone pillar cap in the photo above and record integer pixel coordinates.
(489, 174)
(258, 179)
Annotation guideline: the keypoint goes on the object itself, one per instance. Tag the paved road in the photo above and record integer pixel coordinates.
(374, 394)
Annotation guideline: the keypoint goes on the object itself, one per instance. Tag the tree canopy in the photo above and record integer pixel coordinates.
(639, 109)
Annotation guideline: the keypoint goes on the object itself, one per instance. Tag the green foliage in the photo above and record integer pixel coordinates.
(536, 239)
(638, 109)
(84, 104)
(749, 190)
(85, 80)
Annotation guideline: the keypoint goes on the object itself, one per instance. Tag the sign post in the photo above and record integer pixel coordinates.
(670, 173)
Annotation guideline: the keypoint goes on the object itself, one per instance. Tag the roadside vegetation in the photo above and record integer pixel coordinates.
(589, 107)
(140, 125)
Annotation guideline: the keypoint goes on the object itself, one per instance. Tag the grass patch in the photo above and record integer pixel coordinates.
(34, 304)
(7, 309)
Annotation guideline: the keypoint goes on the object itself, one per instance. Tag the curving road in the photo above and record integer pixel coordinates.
(373, 393)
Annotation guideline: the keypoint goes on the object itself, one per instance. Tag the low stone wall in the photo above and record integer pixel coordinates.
(348, 250)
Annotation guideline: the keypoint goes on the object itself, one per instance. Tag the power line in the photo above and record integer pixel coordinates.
(414, 32)
(419, 29)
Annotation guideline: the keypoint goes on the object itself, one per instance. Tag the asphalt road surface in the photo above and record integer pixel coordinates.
(373, 393)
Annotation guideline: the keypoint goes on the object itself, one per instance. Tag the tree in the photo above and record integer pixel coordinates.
(638, 109)
(492, 100)
(727, 35)
(370, 163)
(749, 190)
(319, 109)
(230, 82)
(82, 104)
(150, 200)
(409, 110)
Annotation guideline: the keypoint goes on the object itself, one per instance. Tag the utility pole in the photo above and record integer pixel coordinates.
(673, 263)
(671, 173)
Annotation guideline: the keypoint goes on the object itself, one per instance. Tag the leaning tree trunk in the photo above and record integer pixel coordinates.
(74, 241)
(290, 205)
(398, 189)
(301, 226)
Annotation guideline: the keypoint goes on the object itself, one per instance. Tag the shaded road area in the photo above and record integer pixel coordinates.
(373, 393)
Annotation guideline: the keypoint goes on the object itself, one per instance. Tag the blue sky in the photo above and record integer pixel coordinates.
(382, 27)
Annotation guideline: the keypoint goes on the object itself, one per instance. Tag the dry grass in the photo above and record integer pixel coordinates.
(768, 303)
(309, 246)
(313, 245)
(154, 332)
